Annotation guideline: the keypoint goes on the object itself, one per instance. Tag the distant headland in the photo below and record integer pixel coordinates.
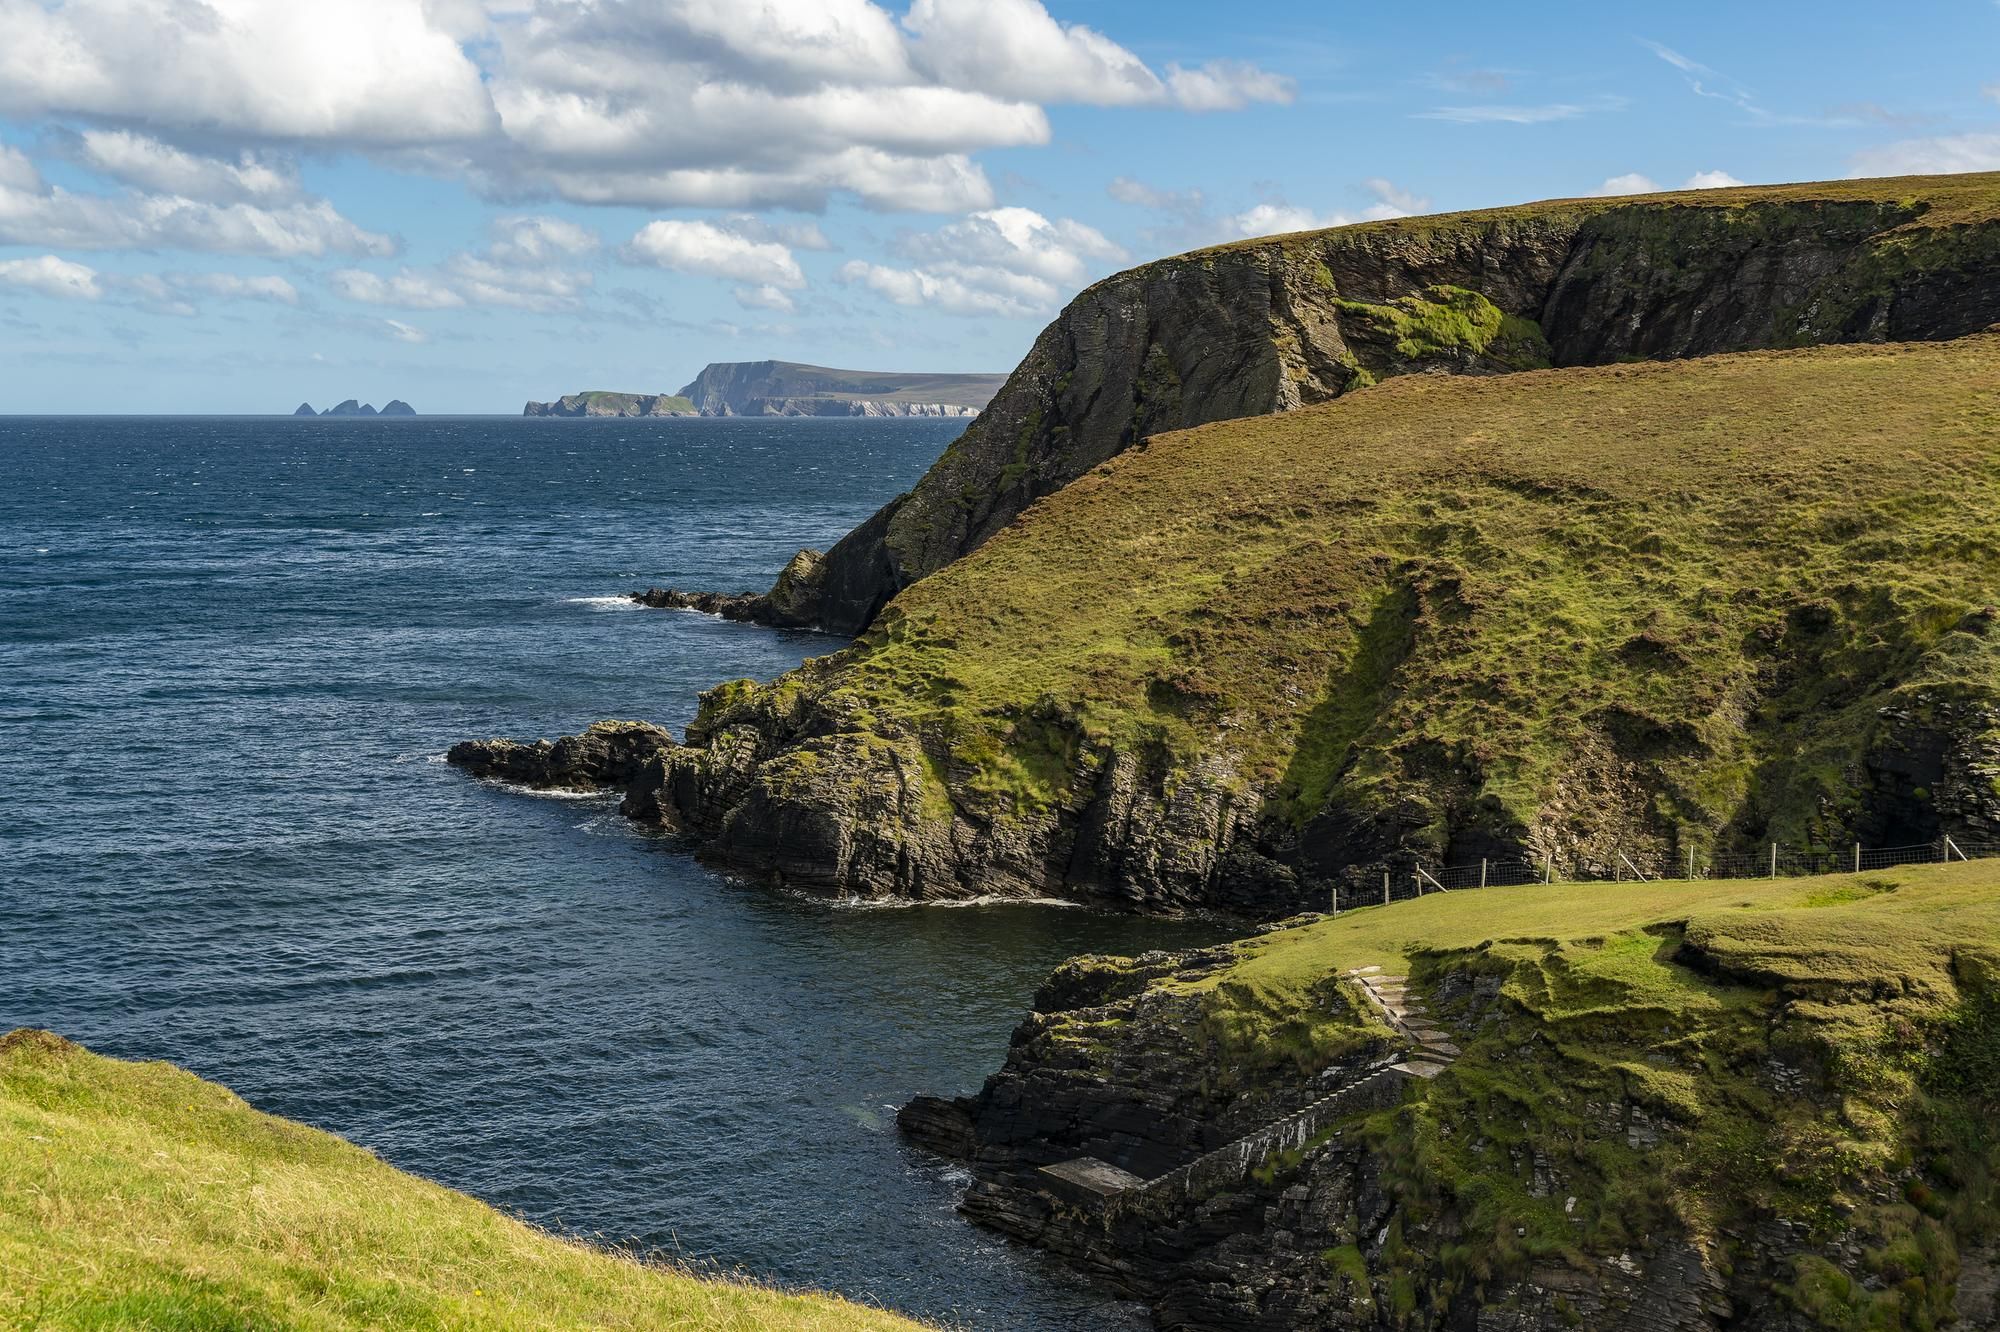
(785, 388)
(353, 407)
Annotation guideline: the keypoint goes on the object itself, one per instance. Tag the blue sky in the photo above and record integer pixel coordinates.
(239, 204)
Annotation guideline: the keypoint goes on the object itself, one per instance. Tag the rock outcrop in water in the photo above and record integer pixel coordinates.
(607, 754)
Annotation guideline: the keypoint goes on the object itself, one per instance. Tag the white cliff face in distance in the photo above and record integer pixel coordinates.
(785, 388)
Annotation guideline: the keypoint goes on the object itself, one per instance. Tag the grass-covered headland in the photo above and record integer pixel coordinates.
(140, 1196)
(1571, 614)
(1700, 1105)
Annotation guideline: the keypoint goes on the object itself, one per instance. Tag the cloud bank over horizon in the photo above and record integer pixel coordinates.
(922, 178)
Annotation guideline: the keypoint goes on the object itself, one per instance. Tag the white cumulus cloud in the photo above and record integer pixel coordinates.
(1015, 48)
(407, 290)
(1945, 155)
(1011, 262)
(34, 212)
(1226, 85)
(649, 103)
(1632, 182)
(708, 250)
(146, 162)
(538, 240)
(1711, 180)
(47, 275)
(765, 297)
(525, 266)
(356, 72)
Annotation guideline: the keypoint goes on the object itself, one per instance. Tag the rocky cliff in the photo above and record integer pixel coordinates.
(1589, 617)
(598, 403)
(1679, 1110)
(1273, 325)
(786, 388)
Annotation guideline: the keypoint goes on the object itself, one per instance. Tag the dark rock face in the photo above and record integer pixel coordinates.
(305, 409)
(1273, 325)
(352, 407)
(397, 407)
(607, 754)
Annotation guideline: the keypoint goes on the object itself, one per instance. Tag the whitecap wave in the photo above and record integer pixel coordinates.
(617, 603)
(983, 900)
(550, 793)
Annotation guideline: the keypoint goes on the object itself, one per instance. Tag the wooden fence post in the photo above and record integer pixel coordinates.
(1774, 860)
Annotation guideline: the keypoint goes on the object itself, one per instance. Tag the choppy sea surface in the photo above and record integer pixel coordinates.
(232, 653)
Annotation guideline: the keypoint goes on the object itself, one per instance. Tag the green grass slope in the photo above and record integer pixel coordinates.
(1800, 1078)
(1644, 607)
(140, 1196)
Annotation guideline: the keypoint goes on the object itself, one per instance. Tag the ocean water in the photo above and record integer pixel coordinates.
(232, 653)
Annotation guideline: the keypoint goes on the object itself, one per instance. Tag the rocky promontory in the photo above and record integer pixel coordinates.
(787, 388)
(1582, 617)
(597, 403)
(606, 754)
(1522, 1110)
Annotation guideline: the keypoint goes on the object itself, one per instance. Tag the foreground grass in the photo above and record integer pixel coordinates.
(1506, 603)
(1652, 1065)
(140, 1196)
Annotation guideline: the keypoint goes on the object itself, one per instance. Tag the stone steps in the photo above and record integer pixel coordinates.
(1391, 996)
(1088, 1179)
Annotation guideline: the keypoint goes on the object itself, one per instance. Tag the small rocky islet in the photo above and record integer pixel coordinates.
(1589, 533)
(355, 407)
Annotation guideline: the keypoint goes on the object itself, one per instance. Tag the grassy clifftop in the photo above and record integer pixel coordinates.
(1272, 324)
(137, 1195)
(1577, 612)
(1764, 1104)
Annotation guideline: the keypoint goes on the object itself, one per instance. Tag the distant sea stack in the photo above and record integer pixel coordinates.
(785, 388)
(355, 407)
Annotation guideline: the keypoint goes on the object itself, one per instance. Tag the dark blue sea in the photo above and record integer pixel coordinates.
(232, 653)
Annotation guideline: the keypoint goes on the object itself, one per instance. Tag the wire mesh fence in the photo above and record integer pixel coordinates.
(1775, 862)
